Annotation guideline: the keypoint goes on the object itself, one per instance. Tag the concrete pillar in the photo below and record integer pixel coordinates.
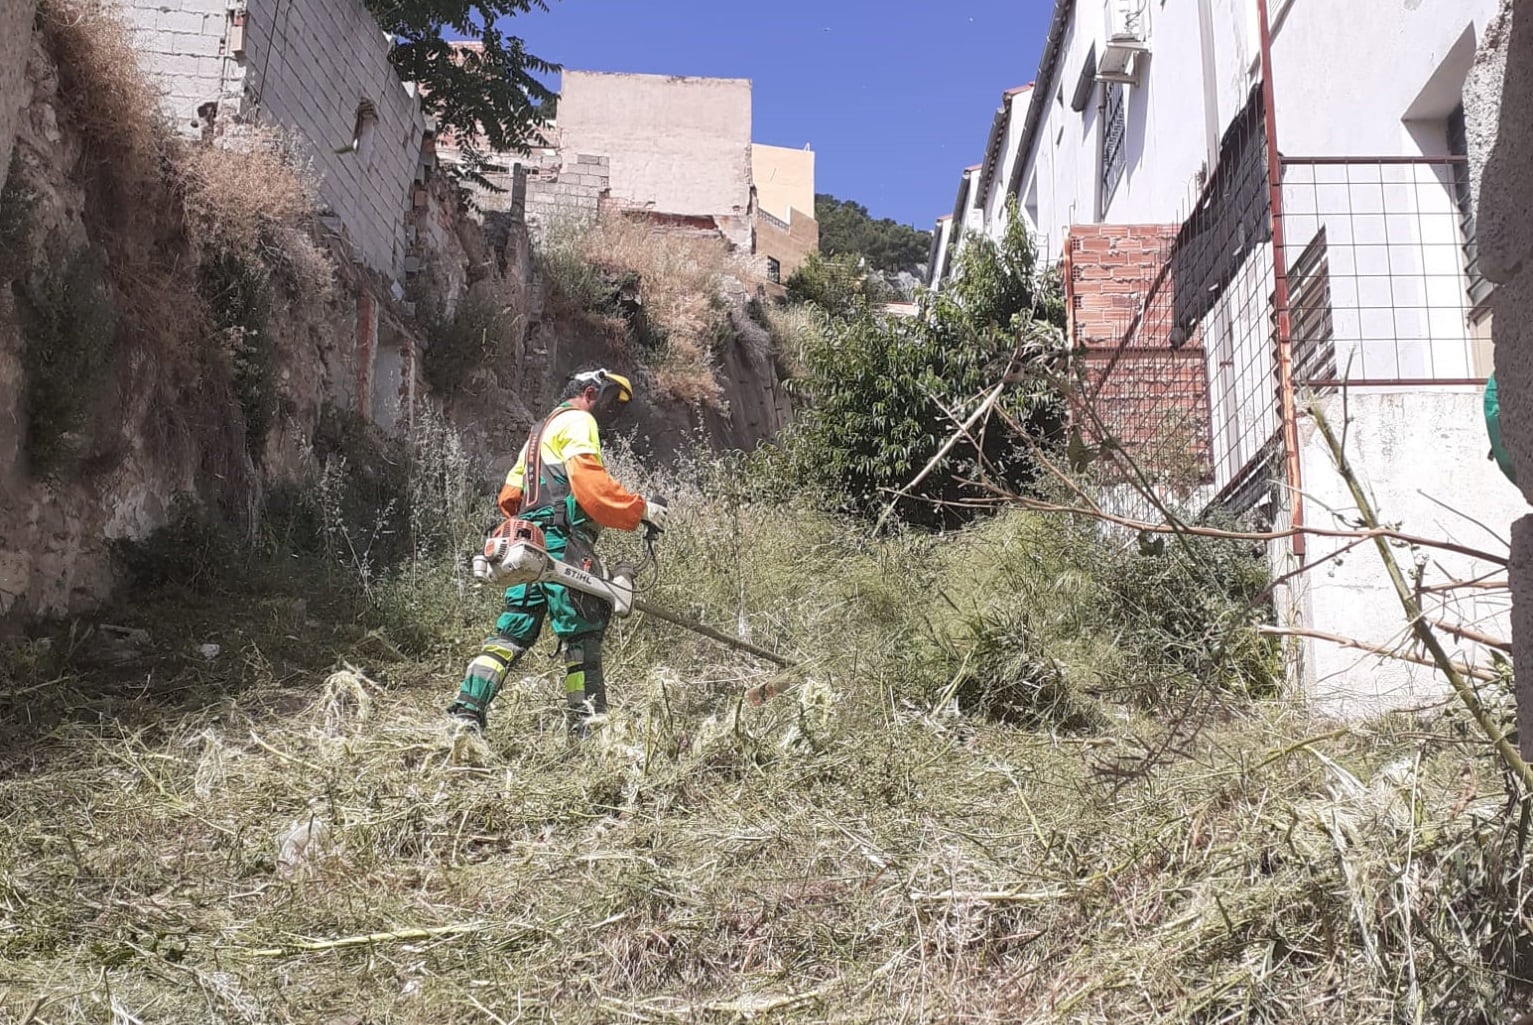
(1497, 99)
(15, 46)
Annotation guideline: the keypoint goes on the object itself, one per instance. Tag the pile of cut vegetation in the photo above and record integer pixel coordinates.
(1003, 784)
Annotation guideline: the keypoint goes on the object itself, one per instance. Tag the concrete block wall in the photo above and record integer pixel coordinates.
(15, 46)
(566, 191)
(184, 43)
(309, 67)
(1497, 99)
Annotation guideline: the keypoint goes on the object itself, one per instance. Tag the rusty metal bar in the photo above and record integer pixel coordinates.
(1287, 408)
(1395, 382)
(1362, 161)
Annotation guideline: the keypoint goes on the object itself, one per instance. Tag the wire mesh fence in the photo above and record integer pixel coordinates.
(1177, 326)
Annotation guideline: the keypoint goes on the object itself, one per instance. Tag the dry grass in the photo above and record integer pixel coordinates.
(110, 101)
(254, 196)
(680, 280)
(271, 836)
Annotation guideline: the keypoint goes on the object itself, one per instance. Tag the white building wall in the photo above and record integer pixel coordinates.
(942, 234)
(994, 219)
(1169, 132)
(1365, 76)
(1421, 454)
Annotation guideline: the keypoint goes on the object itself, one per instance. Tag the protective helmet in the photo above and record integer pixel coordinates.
(612, 390)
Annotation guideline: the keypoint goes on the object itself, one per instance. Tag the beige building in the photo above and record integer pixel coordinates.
(675, 149)
(784, 180)
(786, 229)
(676, 145)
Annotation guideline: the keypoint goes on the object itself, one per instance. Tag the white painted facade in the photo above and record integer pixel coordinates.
(1353, 79)
(1365, 77)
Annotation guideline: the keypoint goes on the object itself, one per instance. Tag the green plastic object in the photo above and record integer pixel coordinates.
(1493, 426)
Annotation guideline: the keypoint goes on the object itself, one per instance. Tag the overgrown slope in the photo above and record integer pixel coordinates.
(972, 801)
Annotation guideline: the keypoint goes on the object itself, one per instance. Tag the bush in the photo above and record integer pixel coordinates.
(885, 393)
(838, 285)
(238, 298)
(68, 334)
(663, 290)
(15, 220)
(469, 340)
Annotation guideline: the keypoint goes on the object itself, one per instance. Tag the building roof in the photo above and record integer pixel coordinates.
(995, 145)
(1048, 68)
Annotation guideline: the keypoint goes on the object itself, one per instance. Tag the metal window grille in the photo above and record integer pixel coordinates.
(1186, 380)
(774, 270)
(1114, 139)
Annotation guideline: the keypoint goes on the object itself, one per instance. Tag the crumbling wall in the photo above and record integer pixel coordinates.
(566, 191)
(1497, 100)
(319, 69)
(15, 44)
(677, 145)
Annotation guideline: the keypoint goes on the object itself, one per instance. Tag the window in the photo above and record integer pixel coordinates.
(1114, 139)
(774, 270)
(1312, 329)
(1086, 84)
(366, 127)
(1458, 145)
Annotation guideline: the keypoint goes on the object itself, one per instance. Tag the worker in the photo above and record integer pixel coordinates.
(560, 483)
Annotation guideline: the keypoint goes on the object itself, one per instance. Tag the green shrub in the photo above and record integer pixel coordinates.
(238, 297)
(68, 329)
(15, 220)
(195, 550)
(885, 393)
(469, 340)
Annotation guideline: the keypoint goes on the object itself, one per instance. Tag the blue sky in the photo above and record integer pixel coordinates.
(896, 97)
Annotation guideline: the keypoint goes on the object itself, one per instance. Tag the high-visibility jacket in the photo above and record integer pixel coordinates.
(570, 464)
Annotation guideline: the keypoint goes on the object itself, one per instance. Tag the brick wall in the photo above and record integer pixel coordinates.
(15, 46)
(309, 67)
(1150, 385)
(567, 189)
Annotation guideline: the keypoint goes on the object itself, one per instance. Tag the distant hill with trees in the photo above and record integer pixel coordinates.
(847, 229)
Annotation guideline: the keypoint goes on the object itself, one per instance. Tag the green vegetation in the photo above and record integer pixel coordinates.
(473, 338)
(15, 220)
(847, 229)
(979, 795)
(489, 92)
(238, 298)
(69, 336)
(885, 393)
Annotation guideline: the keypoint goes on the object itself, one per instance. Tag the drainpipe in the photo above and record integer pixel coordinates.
(1210, 83)
(1286, 404)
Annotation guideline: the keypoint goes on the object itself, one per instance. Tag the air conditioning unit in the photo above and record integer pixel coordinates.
(1128, 35)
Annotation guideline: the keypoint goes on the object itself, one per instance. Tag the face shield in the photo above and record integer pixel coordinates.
(613, 393)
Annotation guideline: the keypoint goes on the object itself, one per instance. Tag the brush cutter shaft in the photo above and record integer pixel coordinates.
(515, 554)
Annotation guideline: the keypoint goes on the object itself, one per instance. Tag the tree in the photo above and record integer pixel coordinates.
(883, 392)
(488, 91)
(837, 284)
(847, 229)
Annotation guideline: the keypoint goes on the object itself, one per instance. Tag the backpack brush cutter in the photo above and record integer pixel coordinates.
(517, 553)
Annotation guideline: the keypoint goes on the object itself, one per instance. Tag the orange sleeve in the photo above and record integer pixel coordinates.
(510, 500)
(604, 499)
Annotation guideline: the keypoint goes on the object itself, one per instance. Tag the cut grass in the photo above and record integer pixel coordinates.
(290, 832)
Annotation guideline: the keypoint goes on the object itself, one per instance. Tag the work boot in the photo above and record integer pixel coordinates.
(469, 716)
